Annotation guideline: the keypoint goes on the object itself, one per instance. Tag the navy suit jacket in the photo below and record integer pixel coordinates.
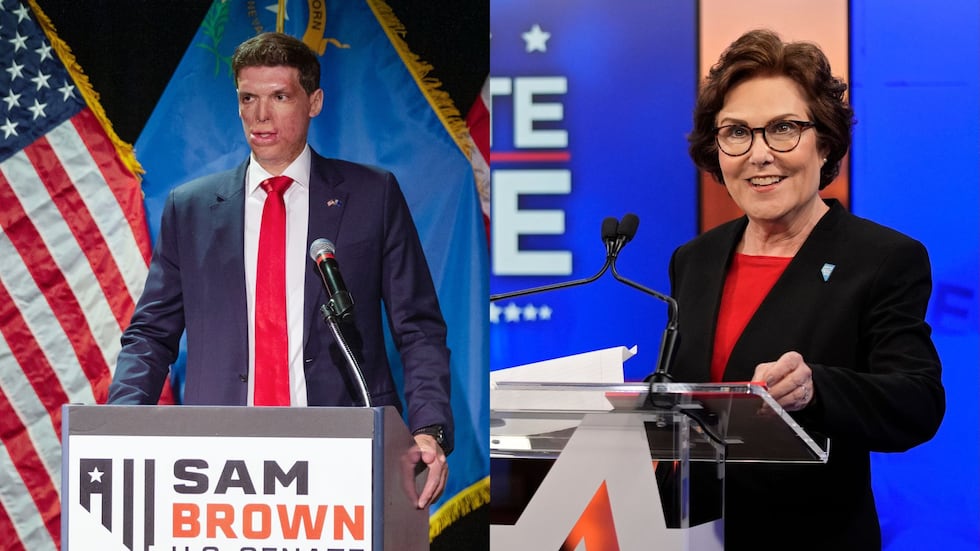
(197, 281)
(876, 373)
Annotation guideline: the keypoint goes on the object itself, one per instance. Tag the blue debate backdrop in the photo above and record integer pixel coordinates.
(591, 103)
(374, 112)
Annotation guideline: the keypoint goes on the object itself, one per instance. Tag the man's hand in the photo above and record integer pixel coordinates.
(430, 453)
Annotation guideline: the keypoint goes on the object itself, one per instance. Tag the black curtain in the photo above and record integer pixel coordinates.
(129, 48)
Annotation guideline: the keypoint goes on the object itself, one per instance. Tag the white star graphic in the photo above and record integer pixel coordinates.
(96, 475)
(275, 9)
(530, 313)
(44, 51)
(495, 312)
(37, 109)
(14, 71)
(12, 100)
(536, 40)
(41, 80)
(9, 129)
(67, 90)
(512, 313)
(21, 13)
(19, 42)
(544, 313)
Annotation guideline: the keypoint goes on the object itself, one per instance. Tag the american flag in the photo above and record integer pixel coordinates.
(74, 251)
(478, 121)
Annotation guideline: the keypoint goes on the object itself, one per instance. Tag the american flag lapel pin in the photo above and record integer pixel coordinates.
(334, 203)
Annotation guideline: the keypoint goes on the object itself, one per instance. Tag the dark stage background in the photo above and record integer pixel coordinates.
(129, 48)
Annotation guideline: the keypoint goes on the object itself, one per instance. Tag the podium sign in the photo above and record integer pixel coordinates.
(235, 478)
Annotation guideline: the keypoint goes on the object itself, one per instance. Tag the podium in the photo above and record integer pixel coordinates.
(209, 478)
(627, 465)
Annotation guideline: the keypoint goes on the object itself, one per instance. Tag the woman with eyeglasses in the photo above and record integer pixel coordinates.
(826, 308)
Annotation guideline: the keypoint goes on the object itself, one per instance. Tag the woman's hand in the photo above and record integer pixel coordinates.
(789, 380)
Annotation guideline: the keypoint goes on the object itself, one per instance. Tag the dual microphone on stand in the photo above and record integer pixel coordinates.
(615, 235)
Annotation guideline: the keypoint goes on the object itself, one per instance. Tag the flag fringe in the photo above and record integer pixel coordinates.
(462, 504)
(91, 97)
(442, 104)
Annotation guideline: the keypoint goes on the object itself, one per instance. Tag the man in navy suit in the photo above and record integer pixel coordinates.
(206, 267)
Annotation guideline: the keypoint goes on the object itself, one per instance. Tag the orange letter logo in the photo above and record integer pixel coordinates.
(595, 526)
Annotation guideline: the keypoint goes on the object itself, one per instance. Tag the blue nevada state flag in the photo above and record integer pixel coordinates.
(379, 109)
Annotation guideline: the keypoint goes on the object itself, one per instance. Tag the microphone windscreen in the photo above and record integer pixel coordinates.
(629, 225)
(609, 226)
(320, 247)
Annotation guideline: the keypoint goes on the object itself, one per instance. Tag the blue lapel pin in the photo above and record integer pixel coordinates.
(826, 270)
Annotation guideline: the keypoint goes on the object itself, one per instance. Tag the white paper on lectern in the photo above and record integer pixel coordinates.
(599, 366)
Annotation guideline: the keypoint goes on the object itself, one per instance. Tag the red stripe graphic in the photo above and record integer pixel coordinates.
(529, 156)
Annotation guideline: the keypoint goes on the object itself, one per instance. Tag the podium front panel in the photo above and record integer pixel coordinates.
(217, 478)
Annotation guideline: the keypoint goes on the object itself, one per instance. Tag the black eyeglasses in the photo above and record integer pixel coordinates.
(735, 140)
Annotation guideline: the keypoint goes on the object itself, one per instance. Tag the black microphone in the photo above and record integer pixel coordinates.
(625, 231)
(668, 342)
(339, 306)
(609, 237)
(339, 303)
(609, 227)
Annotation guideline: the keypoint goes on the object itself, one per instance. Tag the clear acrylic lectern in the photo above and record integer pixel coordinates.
(632, 463)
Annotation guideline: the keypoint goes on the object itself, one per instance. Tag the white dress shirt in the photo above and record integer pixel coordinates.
(297, 199)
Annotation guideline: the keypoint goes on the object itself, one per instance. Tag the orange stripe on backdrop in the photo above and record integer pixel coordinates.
(722, 21)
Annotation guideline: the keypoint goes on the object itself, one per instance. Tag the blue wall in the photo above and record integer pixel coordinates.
(914, 73)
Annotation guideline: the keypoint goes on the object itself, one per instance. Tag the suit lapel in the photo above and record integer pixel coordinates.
(228, 229)
(327, 202)
(699, 316)
(798, 286)
(225, 255)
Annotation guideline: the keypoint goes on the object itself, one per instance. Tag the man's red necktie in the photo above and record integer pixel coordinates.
(271, 338)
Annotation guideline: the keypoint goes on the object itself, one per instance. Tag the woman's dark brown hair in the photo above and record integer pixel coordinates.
(762, 53)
